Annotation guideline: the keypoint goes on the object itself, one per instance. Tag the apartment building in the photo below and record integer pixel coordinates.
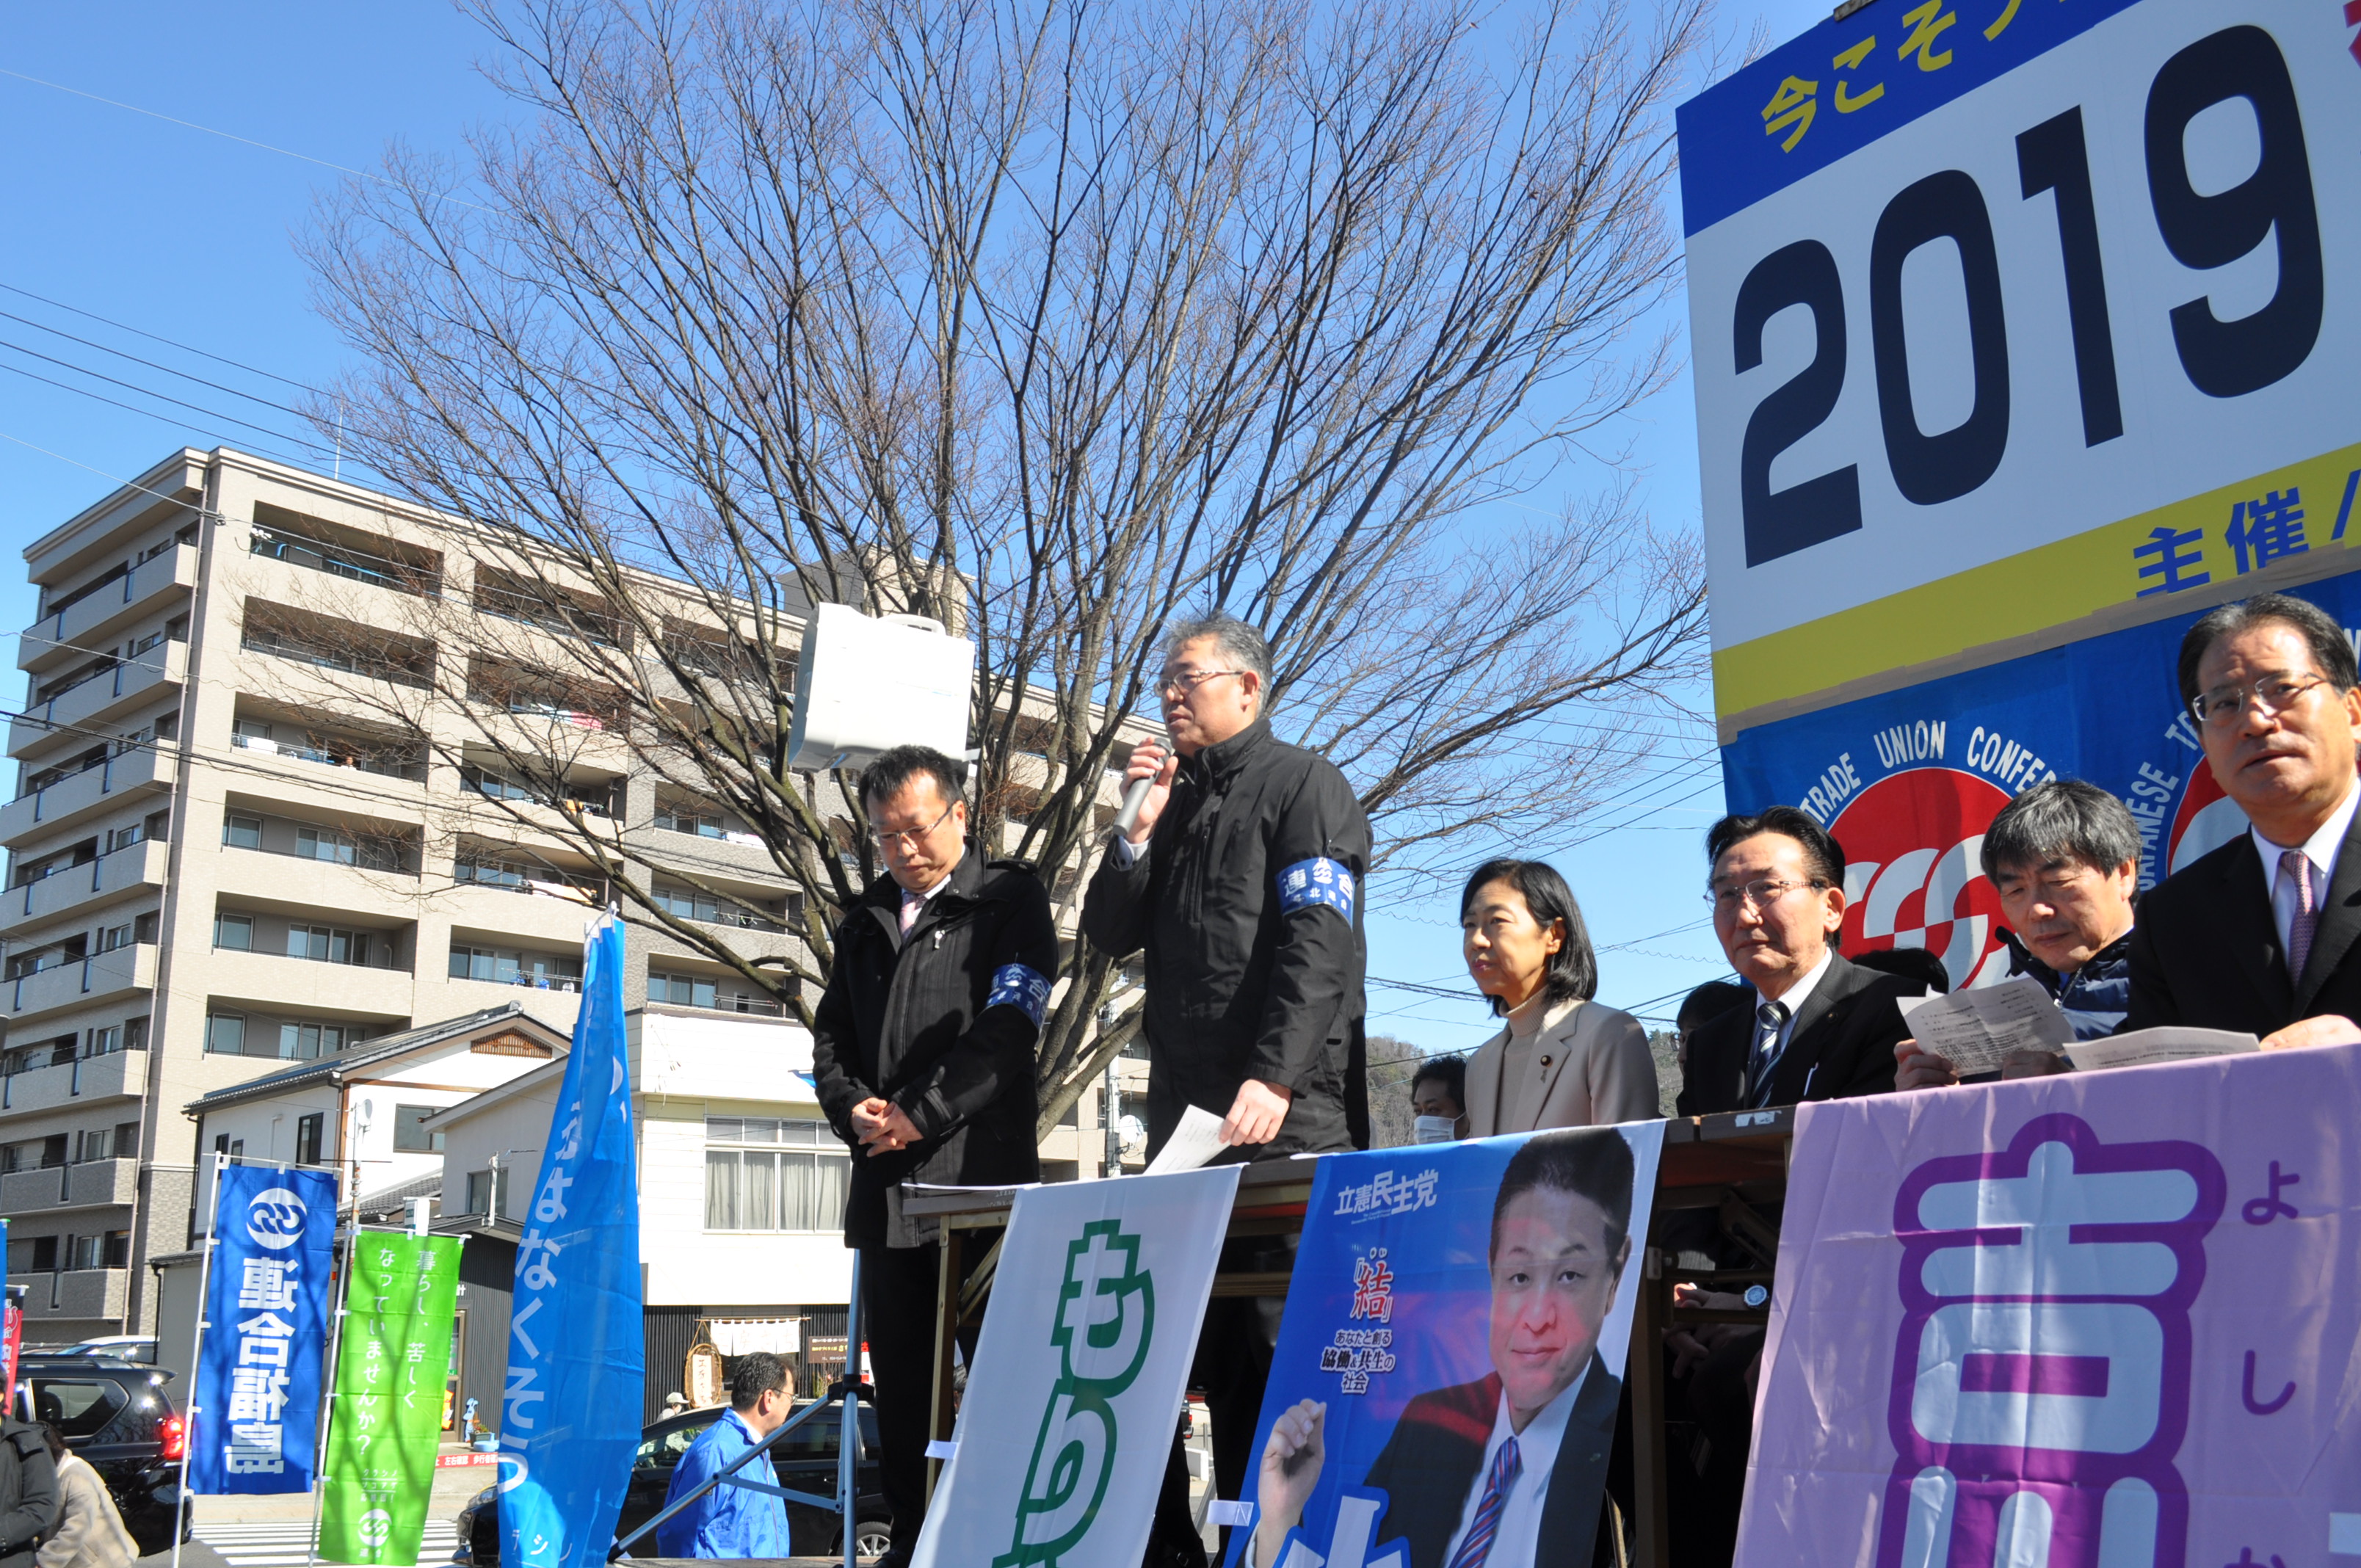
(224, 862)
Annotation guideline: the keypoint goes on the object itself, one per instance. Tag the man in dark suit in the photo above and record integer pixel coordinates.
(1507, 1471)
(1819, 1028)
(2257, 936)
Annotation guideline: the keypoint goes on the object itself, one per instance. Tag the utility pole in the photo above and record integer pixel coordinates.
(1110, 1104)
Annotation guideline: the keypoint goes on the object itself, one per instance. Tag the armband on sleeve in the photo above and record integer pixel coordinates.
(1317, 881)
(1023, 987)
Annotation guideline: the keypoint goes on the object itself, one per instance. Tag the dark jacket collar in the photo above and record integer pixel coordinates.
(2022, 961)
(1219, 763)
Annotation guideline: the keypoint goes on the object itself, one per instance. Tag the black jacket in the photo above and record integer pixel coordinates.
(1248, 902)
(1841, 1045)
(2206, 954)
(1435, 1458)
(943, 1024)
(29, 1498)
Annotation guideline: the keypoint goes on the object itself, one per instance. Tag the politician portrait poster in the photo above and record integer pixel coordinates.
(1444, 1386)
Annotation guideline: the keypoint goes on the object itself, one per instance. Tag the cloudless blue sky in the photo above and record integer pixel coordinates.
(189, 236)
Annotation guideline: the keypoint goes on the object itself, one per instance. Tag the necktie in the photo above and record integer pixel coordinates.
(2294, 864)
(1769, 1019)
(913, 904)
(1486, 1526)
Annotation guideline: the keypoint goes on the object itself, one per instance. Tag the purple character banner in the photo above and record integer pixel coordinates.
(2104, 1320)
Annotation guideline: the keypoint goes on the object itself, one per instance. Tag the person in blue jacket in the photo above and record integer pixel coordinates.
(733, 1521)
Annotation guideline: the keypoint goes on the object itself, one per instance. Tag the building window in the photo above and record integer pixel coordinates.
(307, 1137)
(323, 844)
(135, 1033)
(234, 932)
(242, 833)
(680, 990)
(113, 936)
(107, 1041)
(488, 1192)
(687, 818)
(409, 1135)
(302, 1042)
(95, 1144)
(225, 1035)
(327, 945)
(767, 1175)
(513, 966)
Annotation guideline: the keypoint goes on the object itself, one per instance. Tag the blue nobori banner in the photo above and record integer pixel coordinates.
(255, 1406)
(1907, 782)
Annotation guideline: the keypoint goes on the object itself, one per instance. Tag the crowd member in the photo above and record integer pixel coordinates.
(922, 1051)
(1700, 1006)
(1820, 1028)
(29, 1492)
(1916, 965)
(2064, 857)
(732, 1521)
(1564, 1060)
(1440, 1091)
(2257, 936)
(1242, 881)
(90, 1532)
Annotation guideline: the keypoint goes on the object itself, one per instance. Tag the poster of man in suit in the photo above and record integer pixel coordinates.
(1447, 1373)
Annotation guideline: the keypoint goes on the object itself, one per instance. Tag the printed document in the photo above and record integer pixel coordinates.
(1974, 1029)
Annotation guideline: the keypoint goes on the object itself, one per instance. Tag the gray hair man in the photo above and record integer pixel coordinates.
(2064, 857)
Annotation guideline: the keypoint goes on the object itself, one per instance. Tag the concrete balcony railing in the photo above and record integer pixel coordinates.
(109, 696)
(114, 1075)
(139, 866)
(92, 1184)
(90, 621)
(78, 1294)
(308, 985)
(88, 792)
(103, 977)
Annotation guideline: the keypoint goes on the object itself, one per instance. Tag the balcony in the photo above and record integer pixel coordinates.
(96, 789)
(92, 1184)
(115, 1074)
(110, 694)
(78, 1295)
(101, 978)
(383, 762)
(310, 985)
(295, 884)
(99, 615)
(76, 887)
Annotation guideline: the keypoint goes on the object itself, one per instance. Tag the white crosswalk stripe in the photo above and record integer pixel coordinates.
(286, 1543)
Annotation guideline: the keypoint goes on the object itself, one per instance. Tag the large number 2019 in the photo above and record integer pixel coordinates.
(2220, 359)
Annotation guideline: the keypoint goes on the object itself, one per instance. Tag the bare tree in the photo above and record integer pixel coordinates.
(1052, 320)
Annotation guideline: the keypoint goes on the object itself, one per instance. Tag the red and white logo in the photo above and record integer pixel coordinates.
(2205, 820)
(1914, 876)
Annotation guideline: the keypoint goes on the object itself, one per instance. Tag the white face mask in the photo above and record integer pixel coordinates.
(1437, 1129)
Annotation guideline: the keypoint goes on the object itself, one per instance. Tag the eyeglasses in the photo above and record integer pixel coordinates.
(1188, 681)
(2274, 694)
(908, 839)
(1761, 893)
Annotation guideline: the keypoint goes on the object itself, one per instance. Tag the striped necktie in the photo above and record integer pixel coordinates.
(1769, 1018)
(2296, 866)
(1486, 1526)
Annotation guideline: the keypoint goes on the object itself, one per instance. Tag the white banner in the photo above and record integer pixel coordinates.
(1079, 1373)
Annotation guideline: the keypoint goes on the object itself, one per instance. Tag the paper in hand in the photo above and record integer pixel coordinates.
(1196, 1140)
(2144, 1048)
(1975, 1029)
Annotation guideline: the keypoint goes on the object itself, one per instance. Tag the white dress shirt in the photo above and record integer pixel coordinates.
(1518, 1537)
(2319, 853)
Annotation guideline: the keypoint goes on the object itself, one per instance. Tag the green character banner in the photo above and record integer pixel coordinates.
(386, 1417)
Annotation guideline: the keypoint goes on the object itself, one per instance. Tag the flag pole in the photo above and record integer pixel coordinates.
(196, 1364)
(328, 1405)
(848, 1431)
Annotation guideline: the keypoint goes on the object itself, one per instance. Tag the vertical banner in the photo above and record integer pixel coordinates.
(386, 1420)
(1446, 1377)
(2100, 1318)
(1078, 1379)
(255, 1406)
(569, 1421)
(12, 1331)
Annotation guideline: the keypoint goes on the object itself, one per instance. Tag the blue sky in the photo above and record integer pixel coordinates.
(173, 231)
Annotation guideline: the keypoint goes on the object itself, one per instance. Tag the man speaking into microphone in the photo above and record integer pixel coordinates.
(1241, 878)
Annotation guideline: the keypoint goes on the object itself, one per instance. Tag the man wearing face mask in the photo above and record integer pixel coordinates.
(1241, 881)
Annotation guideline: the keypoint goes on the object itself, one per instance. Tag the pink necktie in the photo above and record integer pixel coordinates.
(911, 905)
(2294, 863)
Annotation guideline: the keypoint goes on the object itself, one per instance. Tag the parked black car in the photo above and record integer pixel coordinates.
(117, 1415)
(805, 1460)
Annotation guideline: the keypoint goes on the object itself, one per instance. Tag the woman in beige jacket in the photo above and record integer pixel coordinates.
(89, 1532)
(1564, 1060)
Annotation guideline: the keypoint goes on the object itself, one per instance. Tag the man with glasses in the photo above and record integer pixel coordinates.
(1815, 1026)
(1242, 881)
(922, 1050)
(2257, 936)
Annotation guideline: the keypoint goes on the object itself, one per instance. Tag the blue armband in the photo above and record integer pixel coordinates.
(1320, 881)
(1023, 987)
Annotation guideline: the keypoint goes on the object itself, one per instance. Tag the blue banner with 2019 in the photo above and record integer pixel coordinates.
(254, 1414)
(1907, 782)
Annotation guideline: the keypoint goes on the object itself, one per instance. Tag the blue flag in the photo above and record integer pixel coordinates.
(570, 1422)
(254, 1411)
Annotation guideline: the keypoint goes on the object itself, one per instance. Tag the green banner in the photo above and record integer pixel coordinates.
(387, 1416)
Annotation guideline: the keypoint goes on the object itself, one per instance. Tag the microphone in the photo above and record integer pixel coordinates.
(1135, 797)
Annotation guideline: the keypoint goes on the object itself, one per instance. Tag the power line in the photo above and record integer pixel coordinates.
(110, 402)
(157, 337)
(151, 392)
(152, 365)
